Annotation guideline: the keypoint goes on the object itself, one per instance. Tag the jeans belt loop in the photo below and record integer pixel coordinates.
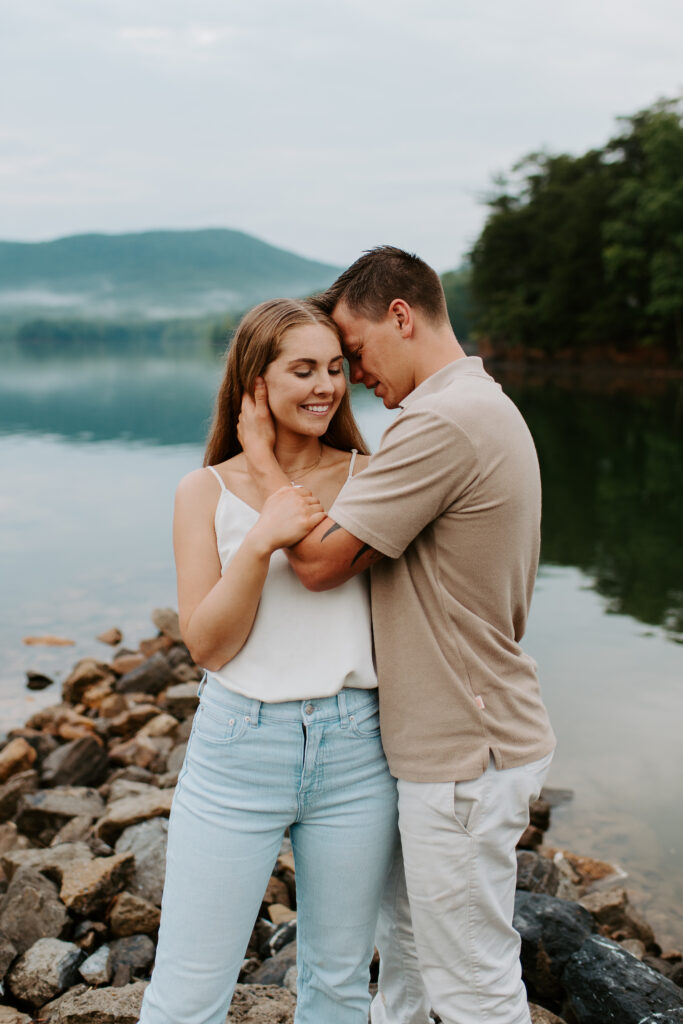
(343, 712)
(202, 684)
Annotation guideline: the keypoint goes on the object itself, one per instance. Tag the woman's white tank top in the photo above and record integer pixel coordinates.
(302, 644)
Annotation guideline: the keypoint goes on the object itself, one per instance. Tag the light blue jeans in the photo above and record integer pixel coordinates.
(251, 771)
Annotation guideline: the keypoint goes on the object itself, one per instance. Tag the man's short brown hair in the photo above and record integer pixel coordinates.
(383, 274)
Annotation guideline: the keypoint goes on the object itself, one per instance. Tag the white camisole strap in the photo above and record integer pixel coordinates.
(354, 452)
(218, 477)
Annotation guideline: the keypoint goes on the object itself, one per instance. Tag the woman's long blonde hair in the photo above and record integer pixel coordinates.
(257, 343)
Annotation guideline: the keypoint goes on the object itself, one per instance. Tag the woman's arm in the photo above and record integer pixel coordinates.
(217, 611)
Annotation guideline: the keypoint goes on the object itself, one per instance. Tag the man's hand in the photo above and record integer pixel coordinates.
(255, 427)
(286, 517)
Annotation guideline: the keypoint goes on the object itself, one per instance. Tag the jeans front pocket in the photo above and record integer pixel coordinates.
(215, 724)
(365, 720)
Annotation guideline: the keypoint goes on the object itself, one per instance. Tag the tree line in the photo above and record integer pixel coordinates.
(586, 252)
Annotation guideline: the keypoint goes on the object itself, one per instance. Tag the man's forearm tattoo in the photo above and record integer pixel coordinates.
(363, 550)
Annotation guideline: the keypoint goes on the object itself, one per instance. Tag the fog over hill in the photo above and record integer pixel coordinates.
(153, 275)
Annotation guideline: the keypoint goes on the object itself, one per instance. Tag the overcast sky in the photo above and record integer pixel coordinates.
(323, 127)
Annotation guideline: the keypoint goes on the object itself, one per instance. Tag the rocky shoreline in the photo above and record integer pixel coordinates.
(85, 792)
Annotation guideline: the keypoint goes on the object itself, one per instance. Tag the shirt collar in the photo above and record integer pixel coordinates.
(471, 366)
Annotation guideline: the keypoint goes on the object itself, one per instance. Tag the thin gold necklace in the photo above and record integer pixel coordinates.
(307, 469)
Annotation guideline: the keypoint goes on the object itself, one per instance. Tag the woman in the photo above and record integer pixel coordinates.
(287, 733)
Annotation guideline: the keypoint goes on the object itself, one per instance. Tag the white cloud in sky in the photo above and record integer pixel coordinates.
(322, 127)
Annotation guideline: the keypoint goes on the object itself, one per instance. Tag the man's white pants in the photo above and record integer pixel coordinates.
(458, 888)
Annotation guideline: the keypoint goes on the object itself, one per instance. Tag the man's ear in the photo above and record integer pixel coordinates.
(403, 317)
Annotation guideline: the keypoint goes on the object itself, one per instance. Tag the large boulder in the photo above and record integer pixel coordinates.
(49, 967)
(97, 1006)
(88, 886)
(147, 842)
(607, 985)
(261, 1004)
(42, 814)
(31, 910)
(551, 930)
(81, 762)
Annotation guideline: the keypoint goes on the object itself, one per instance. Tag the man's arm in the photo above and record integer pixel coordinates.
(329, 555)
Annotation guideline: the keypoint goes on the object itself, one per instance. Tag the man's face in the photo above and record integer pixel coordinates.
(378, 355)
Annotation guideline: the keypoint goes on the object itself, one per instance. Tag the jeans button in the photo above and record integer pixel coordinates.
(309, 709)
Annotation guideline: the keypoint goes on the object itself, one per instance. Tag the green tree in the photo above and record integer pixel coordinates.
(457, 289)
(643, 233)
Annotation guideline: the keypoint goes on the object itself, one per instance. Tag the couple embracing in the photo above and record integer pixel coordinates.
(408, 840)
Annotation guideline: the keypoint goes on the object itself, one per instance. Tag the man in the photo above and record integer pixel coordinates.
(447, 513)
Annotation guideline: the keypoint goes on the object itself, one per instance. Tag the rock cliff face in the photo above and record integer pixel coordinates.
(85, 793)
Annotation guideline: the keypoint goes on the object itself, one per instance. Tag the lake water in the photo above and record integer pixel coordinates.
(91, 452)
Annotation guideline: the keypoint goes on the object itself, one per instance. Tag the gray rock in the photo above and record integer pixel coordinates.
(536, 873)
(99, 1006)
(31, 910)
(551, 930)
(8, 952)
(81, 762)
(42, 814)
(147, 841)
(76, 830)
(273, 970)
(121, 788)
(46, 969)
(261, 1004)
(181, 700)
(132, 810)
(153, 676)
(95, 970)
(290, 979)
(11, 839)
(607, 985)
(12, 790)
(51, 861)
(175, 759)
(130, 956)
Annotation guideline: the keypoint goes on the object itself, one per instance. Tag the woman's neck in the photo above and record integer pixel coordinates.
(296, 453)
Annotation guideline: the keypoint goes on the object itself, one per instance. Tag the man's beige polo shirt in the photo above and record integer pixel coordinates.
(453, 498)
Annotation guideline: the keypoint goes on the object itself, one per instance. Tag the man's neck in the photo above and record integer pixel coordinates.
(435, 349)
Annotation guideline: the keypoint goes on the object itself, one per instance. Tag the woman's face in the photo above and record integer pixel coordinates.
(306, 381)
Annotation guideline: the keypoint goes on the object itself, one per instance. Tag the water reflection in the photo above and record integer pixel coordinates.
(610, 458)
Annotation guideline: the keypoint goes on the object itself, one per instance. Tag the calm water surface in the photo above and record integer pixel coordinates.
(91, 452)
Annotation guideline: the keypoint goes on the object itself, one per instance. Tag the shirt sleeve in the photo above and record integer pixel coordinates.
(424, 464)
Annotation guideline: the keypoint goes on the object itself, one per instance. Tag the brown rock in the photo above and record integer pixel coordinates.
(279, 914)
(18, 756)
(11, 838)
(154, 645)
(48, 640)
(50, 861)
(261, 1004)
(132, 915)
(113, 705)
(276, 892)
(131, 720)
(111, 636)
(95, 694)
(132, 810)
(12, 790)
(143, 751)
(539, 1015)
(616, 916)
(166, 621)
(88, 885)
(8, 1015)
(539, 814)
(85, 673)
(126, 663)
(78, 829)
(96, 1006)
(592, 874)
(161, 725)
(31, 910)
(531, 839)
(184, 673)
(42, 814)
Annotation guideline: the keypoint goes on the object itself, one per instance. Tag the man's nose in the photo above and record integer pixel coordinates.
(355, 372)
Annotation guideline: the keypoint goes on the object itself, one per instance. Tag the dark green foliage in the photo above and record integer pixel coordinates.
(587, 251)
(456, 286)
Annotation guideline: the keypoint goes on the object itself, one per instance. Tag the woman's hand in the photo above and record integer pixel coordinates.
(255, 427)
(287, 517)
